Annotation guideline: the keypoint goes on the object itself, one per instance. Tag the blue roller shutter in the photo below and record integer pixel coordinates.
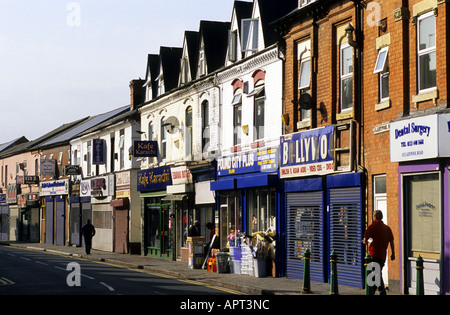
(346, 224)
(305, 230)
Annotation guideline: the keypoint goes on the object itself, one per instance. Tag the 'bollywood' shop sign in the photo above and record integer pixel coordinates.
(420, 138)
(307, 153)
(54, 187)
(154, 178)
(263, 160)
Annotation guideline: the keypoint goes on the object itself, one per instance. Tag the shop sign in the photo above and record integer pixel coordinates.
(47, 166)
(11, 193)
(85, 188)
(262, 160)
(154, 178)
(307, 153)
(145, 149)
(98, 151)
(55, 187)
(2, 198)
(181, 175)
(102, 186)
(31, 180)
(420, 138)
(72, 170)
(123, 185)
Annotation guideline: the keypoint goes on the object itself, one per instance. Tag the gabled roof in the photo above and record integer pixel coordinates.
(215, 40)
(152, 73)
(270, 11)
(64, 137)
(191, 41)
(12, 143)
(34, 144)
(170, 62)
(243, 10)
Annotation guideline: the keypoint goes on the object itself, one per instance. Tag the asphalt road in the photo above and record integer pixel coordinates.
(25, 272)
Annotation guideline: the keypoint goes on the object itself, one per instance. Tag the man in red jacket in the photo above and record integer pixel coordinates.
(379, 236)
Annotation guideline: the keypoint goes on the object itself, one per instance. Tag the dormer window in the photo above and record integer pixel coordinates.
(160, 80)
(184, 69)
(250, 35)
(232, 50)
(202, 62)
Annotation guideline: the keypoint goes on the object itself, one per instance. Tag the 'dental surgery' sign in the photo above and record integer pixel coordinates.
(307, 153)
(414, 139)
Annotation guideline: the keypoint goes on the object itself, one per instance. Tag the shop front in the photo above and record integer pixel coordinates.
(157, 214)
(13, 211)
(421, 147)
(80, 210)
(324, 208)
(54, 200)
(180, 195)
(102, 193)
(4, 218)
(248, 200)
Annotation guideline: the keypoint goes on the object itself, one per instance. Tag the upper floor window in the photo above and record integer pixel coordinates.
(237, 117)
(346, 77)
(426, 51)
(163, 148)
(382, 69)
(205, 126)
(259, 111)
(250, 35)
(201, 62)
(188, 123)
(304, 80)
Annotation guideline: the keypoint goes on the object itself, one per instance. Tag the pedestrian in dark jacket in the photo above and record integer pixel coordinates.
(88, 231)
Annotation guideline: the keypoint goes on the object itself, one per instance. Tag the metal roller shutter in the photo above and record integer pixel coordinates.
(305, 230)
(346, 234)
(4, 223)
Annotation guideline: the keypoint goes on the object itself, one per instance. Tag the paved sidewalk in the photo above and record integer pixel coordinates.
(239, 282)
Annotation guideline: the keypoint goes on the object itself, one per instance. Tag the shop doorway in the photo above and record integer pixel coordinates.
(230, 216)
(380, 203)
(157, 232)
(423, 230)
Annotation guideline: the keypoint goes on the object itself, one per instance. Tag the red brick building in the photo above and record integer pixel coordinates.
(376, 71)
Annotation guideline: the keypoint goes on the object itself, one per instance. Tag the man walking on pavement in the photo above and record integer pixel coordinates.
(88, 231)
(378, 235)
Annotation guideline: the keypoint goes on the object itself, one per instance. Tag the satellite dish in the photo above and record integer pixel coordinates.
(171, 124)
(305, 101)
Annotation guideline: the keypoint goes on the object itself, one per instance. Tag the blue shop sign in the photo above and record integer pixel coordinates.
(307, 153)
(145, 149)
(263, 160)
(154, 178)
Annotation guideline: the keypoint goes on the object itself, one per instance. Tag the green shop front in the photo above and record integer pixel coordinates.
(157, 214)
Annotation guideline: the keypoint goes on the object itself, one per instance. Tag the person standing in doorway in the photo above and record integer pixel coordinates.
(379, 236)
(88, 231)
(194, 230)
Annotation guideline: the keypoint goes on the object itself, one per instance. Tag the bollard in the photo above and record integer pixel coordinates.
(306, 272)
(333, 274)
(369, 290)
(419, 284)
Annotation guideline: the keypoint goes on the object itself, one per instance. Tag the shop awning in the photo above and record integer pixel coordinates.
(175, 197)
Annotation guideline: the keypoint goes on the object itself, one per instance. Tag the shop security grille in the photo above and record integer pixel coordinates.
(4, 223)
(346, 234)
(305, 230)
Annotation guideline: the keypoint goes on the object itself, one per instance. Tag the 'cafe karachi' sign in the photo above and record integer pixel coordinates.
(307, 153)
(145, 149)
(154, 178)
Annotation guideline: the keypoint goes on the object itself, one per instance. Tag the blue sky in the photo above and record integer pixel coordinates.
(61, 60)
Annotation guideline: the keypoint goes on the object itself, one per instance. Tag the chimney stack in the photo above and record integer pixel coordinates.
(137, 92)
